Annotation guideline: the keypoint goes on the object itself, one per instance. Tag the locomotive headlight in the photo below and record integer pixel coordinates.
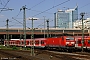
(72, 42)
(67, 42)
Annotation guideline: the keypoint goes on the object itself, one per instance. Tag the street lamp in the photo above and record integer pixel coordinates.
(32, 37)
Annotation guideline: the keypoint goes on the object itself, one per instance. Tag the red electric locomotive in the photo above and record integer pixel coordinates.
(62, 42)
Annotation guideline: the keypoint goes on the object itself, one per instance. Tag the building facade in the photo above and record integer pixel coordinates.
(65, 19)
(78, 24)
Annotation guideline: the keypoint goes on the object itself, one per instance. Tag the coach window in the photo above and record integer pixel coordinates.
(11, 42)
(79, 41)
(27, 43)
(88, 41)
(36, 42)
(22, 42)
(42, 42)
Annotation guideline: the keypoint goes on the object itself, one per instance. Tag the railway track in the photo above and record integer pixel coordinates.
(16, 55)
(42, 55)
(73, 56)
(68, 56)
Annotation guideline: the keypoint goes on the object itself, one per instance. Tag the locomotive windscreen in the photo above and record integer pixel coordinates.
(69, 38)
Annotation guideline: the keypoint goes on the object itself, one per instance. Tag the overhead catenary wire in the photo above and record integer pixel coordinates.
(14, 18)
(51, 8)
(17, 14)
(36, 4)
(54, 6)
(1, 3)
(14, 23)
(42, 24)
(54, 2)
(84, 5)
(5, 5)
(41, 11)
(19, 21)
(28, 9)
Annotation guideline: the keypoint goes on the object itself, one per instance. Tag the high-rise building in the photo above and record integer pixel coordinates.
(65, 19)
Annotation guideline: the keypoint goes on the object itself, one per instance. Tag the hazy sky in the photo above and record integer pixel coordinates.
(38, 9)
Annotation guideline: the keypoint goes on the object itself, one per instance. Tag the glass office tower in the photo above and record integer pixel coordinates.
(65, 19)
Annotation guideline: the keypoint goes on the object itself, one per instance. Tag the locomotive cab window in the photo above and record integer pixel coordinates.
(69, 38)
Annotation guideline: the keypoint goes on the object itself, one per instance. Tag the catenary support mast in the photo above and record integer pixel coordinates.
(24, 25)
(82, 14)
